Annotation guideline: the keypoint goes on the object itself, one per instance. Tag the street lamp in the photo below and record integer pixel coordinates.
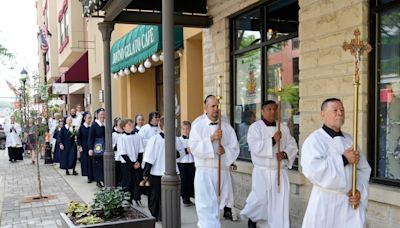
(24, 78)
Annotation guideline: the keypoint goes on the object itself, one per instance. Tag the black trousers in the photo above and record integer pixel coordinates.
(187, 171)
(15, 153)
(130, 180)
(155, 197)
(118, 173)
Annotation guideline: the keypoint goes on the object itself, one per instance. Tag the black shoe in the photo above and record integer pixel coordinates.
(75, 173)
(98, 184)
(228, 213)
(187, 203)
(66, 172)
(89, 181)
(251, 224)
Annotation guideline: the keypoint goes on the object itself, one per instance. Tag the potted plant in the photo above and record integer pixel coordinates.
(111, 208)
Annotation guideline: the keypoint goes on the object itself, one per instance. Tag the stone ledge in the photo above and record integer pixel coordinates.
(384, 194)
(295, 177)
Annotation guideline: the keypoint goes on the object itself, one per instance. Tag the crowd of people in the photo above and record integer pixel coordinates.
(327, 157)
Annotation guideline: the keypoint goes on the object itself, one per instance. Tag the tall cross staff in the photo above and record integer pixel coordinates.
(279, 90)
(219, 99)
(357, 48)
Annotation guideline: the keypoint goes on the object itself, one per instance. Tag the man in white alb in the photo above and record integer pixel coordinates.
(203, 142)
(327, 158)
(265, 206)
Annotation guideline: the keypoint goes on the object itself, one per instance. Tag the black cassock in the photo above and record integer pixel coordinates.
(96, 132)
(69, 154)
(56, 157)
(86, 160)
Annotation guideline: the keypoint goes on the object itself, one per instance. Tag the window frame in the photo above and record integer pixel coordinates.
(236, 52)
(373, 87)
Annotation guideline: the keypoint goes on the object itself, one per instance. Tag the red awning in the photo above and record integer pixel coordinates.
(79, 72)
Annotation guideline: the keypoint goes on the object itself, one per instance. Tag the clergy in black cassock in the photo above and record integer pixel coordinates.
(68, 149)
(97, 145)
(83, 143)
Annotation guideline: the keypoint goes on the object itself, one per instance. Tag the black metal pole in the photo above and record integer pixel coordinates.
(170, 186)
(24, 94)
(106, 29)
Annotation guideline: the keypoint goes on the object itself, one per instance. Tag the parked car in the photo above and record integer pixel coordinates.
(2, 138)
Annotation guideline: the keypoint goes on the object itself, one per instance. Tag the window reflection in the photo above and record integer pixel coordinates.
(389, 96)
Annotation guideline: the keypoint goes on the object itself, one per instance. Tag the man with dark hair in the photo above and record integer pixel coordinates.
(150, 129)
(204, 144)
(327, 158)
(265, 206)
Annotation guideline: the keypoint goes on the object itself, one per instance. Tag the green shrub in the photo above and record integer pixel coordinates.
(111, 201)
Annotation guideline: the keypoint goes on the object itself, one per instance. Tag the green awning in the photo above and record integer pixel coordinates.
(138, 45)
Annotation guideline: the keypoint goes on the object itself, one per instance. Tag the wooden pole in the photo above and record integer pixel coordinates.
(279, 142)
(279, 124)
(219, 98)
(219, 145)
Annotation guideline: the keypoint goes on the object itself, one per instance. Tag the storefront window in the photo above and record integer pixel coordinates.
(388, 96)
(160, 93)
(248, 99)
(265, 43)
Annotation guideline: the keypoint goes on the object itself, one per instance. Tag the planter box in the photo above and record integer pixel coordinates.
(147, 222)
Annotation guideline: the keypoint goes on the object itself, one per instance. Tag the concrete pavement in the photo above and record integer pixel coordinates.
(19, 180)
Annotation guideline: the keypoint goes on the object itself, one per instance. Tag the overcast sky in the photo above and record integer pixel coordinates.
(18, 31)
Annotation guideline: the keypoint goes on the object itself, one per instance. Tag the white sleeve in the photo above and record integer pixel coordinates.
(230, 144)
(322, 170)
(149, 153)
(363, 174)
(121, 149)
(200, 145)
(180, 148)
(259, 145)
(141, 145)
(289, 146)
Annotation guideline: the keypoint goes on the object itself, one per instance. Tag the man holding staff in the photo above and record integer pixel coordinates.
(327, 158)
(266, 206)
(204, 144)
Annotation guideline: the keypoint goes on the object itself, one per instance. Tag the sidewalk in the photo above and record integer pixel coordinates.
(18, 180)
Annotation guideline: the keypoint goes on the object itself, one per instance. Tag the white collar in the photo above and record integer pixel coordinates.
(86, 125)
(100, 124)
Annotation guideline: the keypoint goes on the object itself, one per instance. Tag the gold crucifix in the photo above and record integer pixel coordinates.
(357, 48)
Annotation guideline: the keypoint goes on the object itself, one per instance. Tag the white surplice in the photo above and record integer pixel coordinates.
(206, 162)
(185, 158)
(13, 137)
(155, 154)
(148, 131)
(322, 163)
(265, 205)
(131, 145)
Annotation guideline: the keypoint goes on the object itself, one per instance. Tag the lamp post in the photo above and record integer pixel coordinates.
(24, 78)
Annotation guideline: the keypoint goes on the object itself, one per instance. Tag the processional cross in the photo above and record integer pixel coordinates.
(357, 48)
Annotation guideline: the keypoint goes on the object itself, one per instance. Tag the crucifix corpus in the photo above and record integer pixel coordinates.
(357, 48)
